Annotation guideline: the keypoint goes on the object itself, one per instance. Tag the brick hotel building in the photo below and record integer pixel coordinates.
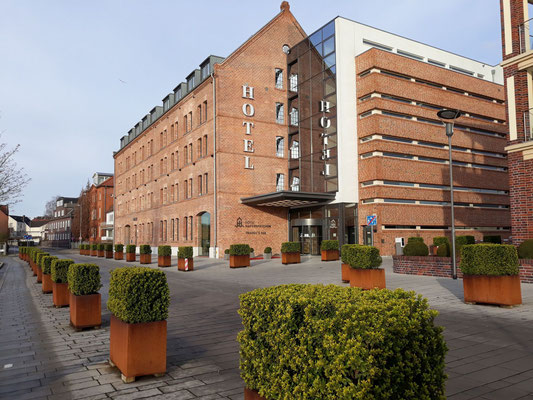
(296, 137)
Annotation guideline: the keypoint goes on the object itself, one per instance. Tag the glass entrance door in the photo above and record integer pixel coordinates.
(310, 237)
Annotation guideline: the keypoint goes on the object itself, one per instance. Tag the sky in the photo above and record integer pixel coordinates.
(76, 75)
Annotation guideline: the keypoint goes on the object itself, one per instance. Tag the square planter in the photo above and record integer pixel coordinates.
(345, 272)
(39, 275)
(329, 255)
(94, 253)
(109, 254)
(61, 294)
(250, 394)
(501, 290)
(267, 256)
(163, 261)
(81, 252)
(239, 261)
(138, 349)
(32, 265)
(47, 283)
(290, 258)
(119, 256)
(130, 257)
(367, 278)
(85, 311)
(185, 266)
(101, 253)
(145, 258)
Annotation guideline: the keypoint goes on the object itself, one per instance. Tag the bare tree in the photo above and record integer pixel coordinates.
(50, 206)
(12, 178)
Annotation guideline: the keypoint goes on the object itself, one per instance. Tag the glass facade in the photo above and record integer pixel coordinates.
(312, 107)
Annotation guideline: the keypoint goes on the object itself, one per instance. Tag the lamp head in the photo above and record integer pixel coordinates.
(449, 114)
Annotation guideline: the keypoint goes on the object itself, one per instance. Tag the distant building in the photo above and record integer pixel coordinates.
(100, 200)
(37, 228)
(58, 231)
(18, 226)
(4, 223)
(107, 227)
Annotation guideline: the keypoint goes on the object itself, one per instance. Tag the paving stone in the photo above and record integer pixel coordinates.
(138, 395)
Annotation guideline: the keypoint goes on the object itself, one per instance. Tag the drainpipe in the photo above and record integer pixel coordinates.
(214, 164)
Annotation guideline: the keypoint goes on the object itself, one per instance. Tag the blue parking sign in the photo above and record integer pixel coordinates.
(372, 220)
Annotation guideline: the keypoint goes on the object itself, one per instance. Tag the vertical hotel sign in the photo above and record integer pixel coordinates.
(248, 111)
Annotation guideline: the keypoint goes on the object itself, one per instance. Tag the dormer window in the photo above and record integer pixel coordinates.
(178, 93)
(166, 104)
(206, 70)
(190, 83)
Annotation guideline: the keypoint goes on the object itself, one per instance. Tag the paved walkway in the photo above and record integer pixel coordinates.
(41, 356)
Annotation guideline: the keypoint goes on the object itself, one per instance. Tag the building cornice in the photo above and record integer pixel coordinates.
(523, 60)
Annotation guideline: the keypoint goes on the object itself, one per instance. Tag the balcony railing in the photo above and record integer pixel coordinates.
(528, 129)
(524, 34)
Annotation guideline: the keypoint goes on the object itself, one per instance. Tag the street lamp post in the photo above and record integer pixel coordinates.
(451, 115)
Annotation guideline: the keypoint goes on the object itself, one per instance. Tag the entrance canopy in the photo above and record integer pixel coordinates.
(288, 198)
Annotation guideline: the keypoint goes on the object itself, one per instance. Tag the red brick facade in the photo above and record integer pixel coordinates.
(100, 202)
(442, 267)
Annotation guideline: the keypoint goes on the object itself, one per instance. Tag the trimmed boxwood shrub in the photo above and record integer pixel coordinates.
(239, 250)
(130, 248)
(138, 294)
(415, 239)
(460, 241)
(145, 249)
(290, 247)
(331, 342)
(83, 279)
(21, 249)
(101, 247)
(525, 250)
(445, 243)
(59, 270)
(416, 248)
(185, 252)
(442, 251)
(119, 248)
(108, 247)
(329, 245)
(39, 258)
(489, 259)
(359, 256)
(164, 251)
(268, 250)
(226, 251)
(34, 254)
(94, 246)
(492, 239)
(47, 264)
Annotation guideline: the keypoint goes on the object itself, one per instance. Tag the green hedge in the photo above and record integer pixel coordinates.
(268, 250)
(443, 241)
(415, 248)
(47, 264)
(360, 256)
(329, 245)
(239, 250)
(164, 251)
(59, 270)
(492, 239)
(145, 249)
(108, 247)
(489, 259)
(83, 279)
(138, 294)
(226, 251)
(525, 250)
(185, 252)
(34, 254)
(39, 258)
(21, 249)
(290, 247)
(119, 248)
(101, 247)
(331, 342)
(442, 251)
(460, 241)
(415, 239)
(130, 248)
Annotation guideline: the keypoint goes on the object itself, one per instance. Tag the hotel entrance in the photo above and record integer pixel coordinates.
(310, 238)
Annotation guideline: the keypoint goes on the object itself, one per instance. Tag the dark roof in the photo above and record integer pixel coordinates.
(68, 199)
(288, 198)
(38, 223)
(21, 218)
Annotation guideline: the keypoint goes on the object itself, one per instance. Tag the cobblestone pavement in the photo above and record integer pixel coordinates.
(42, 357)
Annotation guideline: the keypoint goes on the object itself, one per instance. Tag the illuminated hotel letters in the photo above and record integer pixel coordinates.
(248, 111)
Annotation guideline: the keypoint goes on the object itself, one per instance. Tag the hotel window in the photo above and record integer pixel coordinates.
(295, 185)
(177, 196)
(185, 190)
(205, 145)
(293, 83)
(172, 228)
(190, 187)
(161, 230)
(280, 146)
(190, 121)
(280, 181)
(185, 156)
(172, 193)
(205, 183)
(161, 144)
(186, 228)
(177, 229)
(199, 111)
(177, 160)
(294, 116)
(190, 230)
(165, 195)
(161, 196)
(165, 237)
(200, 192)
(280, 117)
(199, 148)
(206, 71)
(172, 131)
(176, 130)
(161, 167)
(172, 161)
(205, 110)
(279, 78)
(295, 149)
(190, 152)
(185, 124)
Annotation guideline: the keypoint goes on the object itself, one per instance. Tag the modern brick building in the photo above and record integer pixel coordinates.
(517, 49)
(296, 137)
